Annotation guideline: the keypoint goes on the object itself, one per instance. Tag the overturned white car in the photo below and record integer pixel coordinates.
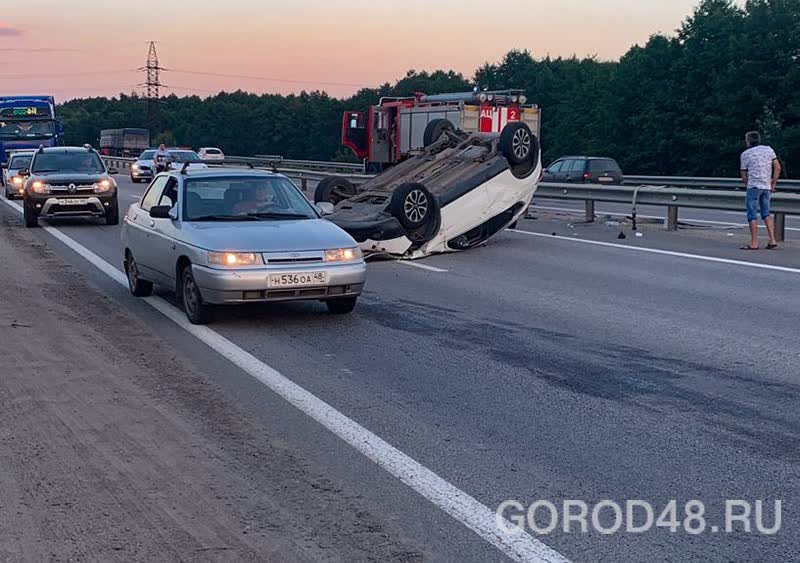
(462, 190)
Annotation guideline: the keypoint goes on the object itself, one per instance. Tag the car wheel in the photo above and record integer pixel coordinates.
(112, 213)
(435, 129)
(138, 286)
(334, 189)
(341, 306)
(30, 216)
(413, 205)
(197, 311)
(521, 149)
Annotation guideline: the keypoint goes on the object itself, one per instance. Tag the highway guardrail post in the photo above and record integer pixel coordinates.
(672, 218)
(780, 227)
(589, 211)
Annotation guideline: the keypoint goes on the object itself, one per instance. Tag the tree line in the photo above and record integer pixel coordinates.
(678, 105)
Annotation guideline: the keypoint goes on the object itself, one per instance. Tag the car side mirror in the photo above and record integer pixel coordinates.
(113, 171)
(23, 173)
(325, 208)
(160, 212)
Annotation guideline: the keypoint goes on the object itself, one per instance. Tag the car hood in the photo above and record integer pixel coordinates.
(268, 236)
(75, 177)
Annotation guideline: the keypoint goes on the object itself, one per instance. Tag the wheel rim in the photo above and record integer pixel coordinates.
(133, 273)
(521, 144)
(416, 206)
(190, 296)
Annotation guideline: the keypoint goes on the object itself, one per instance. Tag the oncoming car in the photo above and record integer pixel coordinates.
(145, 167)
(221, 237)
(462, 190)
(14, 183)
(69, 182)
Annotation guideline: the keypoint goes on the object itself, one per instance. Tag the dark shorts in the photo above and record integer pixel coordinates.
(757, 200)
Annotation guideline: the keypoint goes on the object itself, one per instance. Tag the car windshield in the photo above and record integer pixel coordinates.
(67, 161)
(244, 198)
(10, 130)
(19, 162)
(147, 155)
(183, 156)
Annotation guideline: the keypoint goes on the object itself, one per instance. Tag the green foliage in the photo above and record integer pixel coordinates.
(673, 106)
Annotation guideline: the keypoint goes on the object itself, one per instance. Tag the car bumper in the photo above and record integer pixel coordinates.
(249, 286)
(141, 173)
(92, 206)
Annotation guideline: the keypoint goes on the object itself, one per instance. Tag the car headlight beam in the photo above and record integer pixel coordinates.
(40, 187)
(343, 254)
(102, 186)
(234, 259)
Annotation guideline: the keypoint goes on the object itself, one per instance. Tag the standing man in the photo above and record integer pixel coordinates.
(760, 172)
(161, 158)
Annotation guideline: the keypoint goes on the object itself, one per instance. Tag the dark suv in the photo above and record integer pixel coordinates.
(584, 170)
(69, 182)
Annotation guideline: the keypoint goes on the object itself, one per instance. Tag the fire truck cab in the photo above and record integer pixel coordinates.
(398, 128)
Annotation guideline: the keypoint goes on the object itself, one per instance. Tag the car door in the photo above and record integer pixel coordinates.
(163, 245)
(140, 228)
(575, 171)
(551, 173)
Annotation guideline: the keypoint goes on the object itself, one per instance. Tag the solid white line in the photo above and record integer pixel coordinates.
(455, 502)
(664, 252)
(421, 266)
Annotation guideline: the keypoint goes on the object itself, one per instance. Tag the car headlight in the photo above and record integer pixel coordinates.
(16, 180)
(103, 186)
(134, 167)
(343, 254)
(40, 187)
(234, 259)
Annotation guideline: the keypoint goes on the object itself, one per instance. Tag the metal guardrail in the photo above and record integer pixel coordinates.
(705, 183)
(672, 198)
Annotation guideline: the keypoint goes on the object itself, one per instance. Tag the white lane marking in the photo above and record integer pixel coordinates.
(421, 266)
(664, 252)
(452, 500)
(686, 219)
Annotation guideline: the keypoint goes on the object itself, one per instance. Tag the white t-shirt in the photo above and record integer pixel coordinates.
(758, 163)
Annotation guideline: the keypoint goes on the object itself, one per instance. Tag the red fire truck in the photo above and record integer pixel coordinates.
(397, 128)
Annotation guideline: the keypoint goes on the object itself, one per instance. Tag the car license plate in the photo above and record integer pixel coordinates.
(606, 179)
(305, 279)
(72, 201)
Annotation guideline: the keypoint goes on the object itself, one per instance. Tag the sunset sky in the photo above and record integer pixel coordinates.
(85, 48)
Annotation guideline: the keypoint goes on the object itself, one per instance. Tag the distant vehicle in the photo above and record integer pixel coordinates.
(398, 128)
(124, 142)
(218, 236)
(28, 122)
(584, 170)
(211, 153)
(13, 182)
(69, 182)
(462, 190)
(145, 167)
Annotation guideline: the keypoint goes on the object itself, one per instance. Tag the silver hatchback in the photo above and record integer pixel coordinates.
(223, 237)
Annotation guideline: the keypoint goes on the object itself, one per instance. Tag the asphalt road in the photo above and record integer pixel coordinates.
(538, 367)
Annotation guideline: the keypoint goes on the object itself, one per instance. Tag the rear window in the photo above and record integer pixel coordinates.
(213, 151)
(604, 165)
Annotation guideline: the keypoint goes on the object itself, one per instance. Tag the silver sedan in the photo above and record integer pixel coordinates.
(221, 237)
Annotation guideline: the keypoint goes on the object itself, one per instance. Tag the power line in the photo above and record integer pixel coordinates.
(67, 74)
(267, 78)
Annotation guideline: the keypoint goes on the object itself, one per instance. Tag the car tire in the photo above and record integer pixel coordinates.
(342, 306)
(30, 216)
(435, 129)
(112, 213)
(518, 144)
(334, 189)
(197, 311)
(138, 286)
(413, 205)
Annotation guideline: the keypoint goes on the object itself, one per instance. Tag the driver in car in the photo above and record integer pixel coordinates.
(261, 198)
